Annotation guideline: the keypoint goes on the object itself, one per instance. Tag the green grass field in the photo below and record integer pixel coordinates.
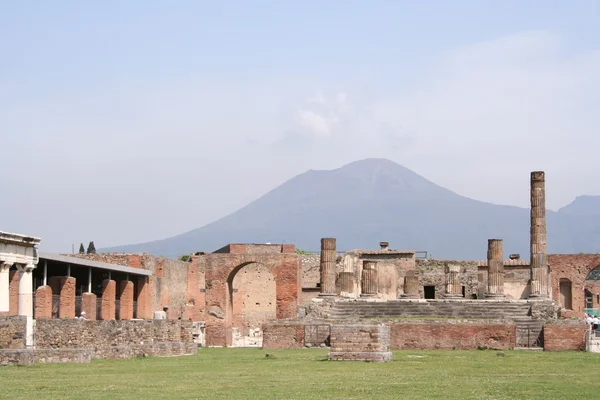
(306, 374)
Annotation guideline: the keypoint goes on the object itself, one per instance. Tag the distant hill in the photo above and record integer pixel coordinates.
(375, 200)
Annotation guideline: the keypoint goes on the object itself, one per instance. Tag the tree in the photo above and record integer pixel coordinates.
(91, 248)
(81, 248)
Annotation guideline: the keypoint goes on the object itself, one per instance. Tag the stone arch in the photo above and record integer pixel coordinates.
(251, 301)
(566, 293)
(593, 274)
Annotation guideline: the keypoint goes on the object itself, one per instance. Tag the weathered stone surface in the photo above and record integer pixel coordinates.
(328, 266)
(357, 342)
(216, 312)
(67, 297)
(539, 261)
(369, 278)
(89, 305)
(126, 300)
(109, 293)
(12, 332)
(449, 334)
(13, 279)
(495, 268)
(283, 335)
(564, 335)
(43, 302)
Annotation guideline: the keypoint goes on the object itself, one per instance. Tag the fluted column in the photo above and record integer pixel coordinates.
(411, 286)
(368, 283)
(4, 287)
(539, 261)
(495, 268)
(453, 286)
(328, 267)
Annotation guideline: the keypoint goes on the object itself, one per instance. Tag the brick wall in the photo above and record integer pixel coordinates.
(115, 339)
(12, 332)
(443, 334)
(283, 335)
(360, 342)
(13, 277)
(565, 335)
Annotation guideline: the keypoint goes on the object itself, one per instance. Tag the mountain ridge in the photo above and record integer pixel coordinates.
(370, 200)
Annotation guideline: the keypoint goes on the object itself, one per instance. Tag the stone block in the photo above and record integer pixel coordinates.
(43, 302)
(126, 300)
(89, 305)
(360, 343)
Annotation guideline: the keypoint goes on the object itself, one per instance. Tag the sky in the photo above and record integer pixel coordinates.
(125, 122)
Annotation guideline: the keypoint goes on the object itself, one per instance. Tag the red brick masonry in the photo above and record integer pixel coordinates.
(565, 335)
(43, 302)
(88, 304)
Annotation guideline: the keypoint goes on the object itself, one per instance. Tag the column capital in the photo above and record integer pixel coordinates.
(5, 266)
(25, 267)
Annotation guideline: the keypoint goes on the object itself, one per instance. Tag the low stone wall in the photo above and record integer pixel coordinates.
(564, 335)
(448, 334)
(43, 356)
(12, 332)
(360, 343)
(283, 335)
(117, 339)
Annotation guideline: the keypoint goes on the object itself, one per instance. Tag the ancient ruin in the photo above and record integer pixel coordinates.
(268, 295)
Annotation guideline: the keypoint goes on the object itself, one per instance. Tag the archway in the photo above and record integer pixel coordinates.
(251, 302)
(592, 291)
(566, 294)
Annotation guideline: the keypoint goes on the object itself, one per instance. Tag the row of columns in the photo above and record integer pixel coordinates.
(25, 294)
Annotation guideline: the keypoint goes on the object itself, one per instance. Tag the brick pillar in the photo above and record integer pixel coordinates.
(539, 260)
(411, 286)
(13, 285)
(495, 269)
(368, 283)
(67, 297)
(109, 293)
(89, 304)
(328, 266)
(144, 301)
(126, 300)
(43, 302)
(453, 286)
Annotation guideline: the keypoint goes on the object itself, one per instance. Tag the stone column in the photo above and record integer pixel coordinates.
(346, 282)
(453, 286)
(26, 299)
(126, 300)
(144, 302)
(109, 293)
(539, 261)
(368, 283)
(67, 297)
(89, 304)
(411, 286)
(4, 288)
(495, 269)
(328, 267)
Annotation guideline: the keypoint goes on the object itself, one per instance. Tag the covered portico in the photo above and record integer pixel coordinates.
(20, 252)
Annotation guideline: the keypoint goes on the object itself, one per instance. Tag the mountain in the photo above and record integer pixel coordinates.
(583, 205)
(375, 200)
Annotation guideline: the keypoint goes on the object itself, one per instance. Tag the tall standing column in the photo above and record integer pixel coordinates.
(495, 268)
(539, 260)
(26, 299)
(4, 288)
(453, 286)
(368, 282)
(328, 267)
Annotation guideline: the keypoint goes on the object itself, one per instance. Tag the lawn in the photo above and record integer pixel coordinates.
(234, 374)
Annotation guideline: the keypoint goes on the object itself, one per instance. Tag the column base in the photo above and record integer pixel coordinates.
(410, 296)
(453, 296)
(495, 296)
(368, 295)
(329, 295)
(539, 296)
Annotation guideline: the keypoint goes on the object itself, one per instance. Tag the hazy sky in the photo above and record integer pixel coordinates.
(123, 122)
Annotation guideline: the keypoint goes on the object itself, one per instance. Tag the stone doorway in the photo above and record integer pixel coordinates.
(566, 295)
(429, 292)
(252, 301)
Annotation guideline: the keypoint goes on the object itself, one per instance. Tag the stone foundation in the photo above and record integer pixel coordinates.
(12, 332)
(360, 343)
(44, 356)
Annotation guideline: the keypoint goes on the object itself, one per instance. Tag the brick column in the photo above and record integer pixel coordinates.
(126, 300)
(67, 297)
(144, 301)
(368, 283)
(89, 304)
(495, 268)
(411, 286)
(109, 293)
(13, 286)
(328, 266)
(539, 261)
(453, 286)
(43, 302)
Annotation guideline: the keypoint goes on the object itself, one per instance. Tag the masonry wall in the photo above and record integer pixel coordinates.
(575, 268)
(565, 335)
(12, 332)
(445, 334)
(287, 335)
(116, 339)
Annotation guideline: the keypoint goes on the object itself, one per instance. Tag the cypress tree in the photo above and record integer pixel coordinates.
(91, 248)
(81, 248)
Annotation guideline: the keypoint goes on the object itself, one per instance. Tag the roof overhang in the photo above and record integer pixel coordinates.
(74, 261)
